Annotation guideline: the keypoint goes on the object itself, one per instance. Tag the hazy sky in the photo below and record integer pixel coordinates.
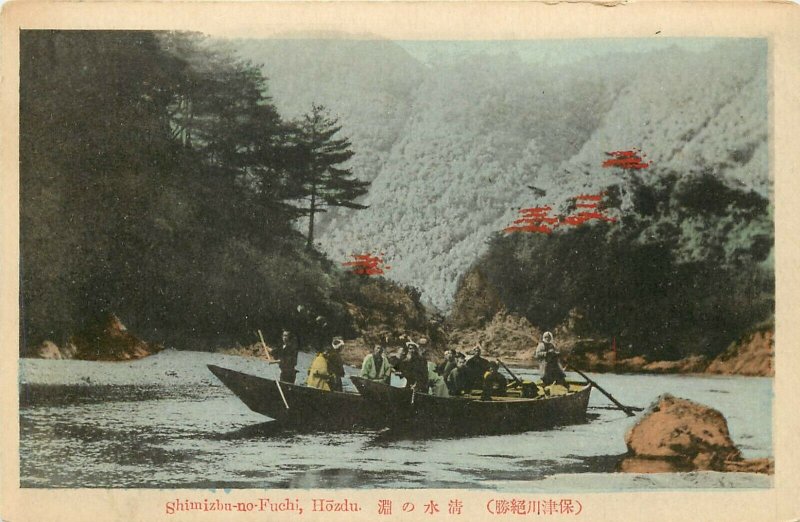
(551, 51)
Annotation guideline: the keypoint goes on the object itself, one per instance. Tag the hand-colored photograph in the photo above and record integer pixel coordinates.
(348, 263)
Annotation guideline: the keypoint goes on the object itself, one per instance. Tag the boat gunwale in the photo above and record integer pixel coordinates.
(305, 388)
(497, 399)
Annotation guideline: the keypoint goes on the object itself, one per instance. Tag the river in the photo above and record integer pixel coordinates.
(166, 422)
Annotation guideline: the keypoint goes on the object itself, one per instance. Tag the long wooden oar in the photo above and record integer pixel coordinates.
(627, 409)
(270, 360)
(519, 382)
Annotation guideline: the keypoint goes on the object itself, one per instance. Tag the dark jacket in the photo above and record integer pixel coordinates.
(477, 366)
(415, 371)
(494, 384)
(287, 355)
(335, 368)
(553, 373)
(445, 368)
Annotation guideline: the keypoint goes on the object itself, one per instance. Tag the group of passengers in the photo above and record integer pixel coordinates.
(456, 375)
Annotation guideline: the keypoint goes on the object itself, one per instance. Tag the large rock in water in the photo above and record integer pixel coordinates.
(109, 340)
(678, 435)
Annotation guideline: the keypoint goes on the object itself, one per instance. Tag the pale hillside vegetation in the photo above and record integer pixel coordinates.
(451, 149)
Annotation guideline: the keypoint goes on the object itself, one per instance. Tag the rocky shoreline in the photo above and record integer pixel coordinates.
(513, 339)
(506, 336)
(106, 340)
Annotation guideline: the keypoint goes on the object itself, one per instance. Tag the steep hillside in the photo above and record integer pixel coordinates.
(480, 131)
(687, 111)
(452, 148)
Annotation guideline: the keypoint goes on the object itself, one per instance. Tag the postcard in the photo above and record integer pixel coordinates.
(399, 261)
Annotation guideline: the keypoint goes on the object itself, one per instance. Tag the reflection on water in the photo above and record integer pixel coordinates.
(165, 421)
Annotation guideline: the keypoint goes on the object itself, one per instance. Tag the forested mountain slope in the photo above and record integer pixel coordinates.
(452, 148)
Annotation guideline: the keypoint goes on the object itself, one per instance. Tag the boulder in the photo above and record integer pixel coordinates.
(643, 465)
(109, 340)
(675, 428)
(679, 435)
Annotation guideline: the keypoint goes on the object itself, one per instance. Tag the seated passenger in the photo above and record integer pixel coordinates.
(477, 367)
(457, 380)
(494, 384)
(415, 369)
(376, 366)
(446, 366)
(436, 383)
(398, 357)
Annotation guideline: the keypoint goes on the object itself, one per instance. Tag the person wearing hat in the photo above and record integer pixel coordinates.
(549, 367)
(376, 366)
(320, 333)
(336, 364)
(414, 368)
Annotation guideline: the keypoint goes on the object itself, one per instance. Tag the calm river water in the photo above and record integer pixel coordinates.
(166, 422)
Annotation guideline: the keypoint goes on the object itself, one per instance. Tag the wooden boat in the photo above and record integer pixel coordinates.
(301, 407)
(428, 414)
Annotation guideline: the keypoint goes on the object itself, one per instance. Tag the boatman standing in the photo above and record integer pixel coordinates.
(287, 357)
(550, 368)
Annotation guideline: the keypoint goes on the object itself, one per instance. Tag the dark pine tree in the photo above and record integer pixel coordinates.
(321, 178)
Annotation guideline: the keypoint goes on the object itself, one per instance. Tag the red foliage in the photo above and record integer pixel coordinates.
(533, 219)
(367, 264)
(583, 216)
(626, 159)
(537, 220)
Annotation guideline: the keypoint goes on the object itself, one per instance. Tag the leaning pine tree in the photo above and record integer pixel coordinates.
(322, 180)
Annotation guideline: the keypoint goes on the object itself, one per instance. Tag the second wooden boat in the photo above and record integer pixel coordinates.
(421, 412)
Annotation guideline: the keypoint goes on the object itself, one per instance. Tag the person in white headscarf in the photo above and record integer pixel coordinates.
(549, 366)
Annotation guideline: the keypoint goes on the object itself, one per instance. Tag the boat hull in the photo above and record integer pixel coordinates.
(301, 407)
(424, 413)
